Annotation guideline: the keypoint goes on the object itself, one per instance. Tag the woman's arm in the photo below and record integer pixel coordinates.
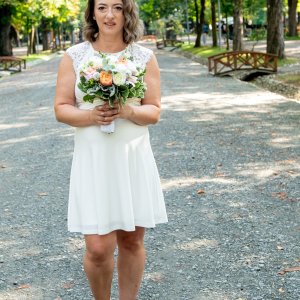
(149, 111)
(64, 107)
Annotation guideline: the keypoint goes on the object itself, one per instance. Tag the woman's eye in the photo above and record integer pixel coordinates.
(119, 8)
(102, 8)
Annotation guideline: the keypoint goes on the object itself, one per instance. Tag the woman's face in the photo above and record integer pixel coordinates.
(109, 16)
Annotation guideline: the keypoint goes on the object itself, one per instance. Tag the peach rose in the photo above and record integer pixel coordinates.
(106, 78)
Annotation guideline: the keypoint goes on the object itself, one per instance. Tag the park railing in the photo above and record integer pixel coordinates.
(224, 63)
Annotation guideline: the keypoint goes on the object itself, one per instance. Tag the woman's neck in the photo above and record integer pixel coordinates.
(109, 44)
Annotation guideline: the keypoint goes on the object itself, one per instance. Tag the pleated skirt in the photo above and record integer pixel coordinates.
(114, 182)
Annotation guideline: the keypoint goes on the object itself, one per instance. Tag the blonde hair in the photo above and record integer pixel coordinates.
(133, 27)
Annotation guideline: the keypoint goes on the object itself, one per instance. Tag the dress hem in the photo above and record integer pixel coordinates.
(79, 229)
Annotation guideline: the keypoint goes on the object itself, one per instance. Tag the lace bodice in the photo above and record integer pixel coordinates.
(80, 53)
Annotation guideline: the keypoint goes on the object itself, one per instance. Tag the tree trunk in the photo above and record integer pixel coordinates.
(227, 31)
(292, 23)
(213, 23)
(45, 25)
(275, 34)
(202, 12)
(32, 41)
(59, 36)
(198, 28)
(5, 25)
(238, 26)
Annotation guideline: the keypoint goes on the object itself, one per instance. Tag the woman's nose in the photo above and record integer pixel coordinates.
(110, 12)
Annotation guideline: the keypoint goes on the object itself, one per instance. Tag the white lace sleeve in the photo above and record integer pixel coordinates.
(141, 54)
(78, 53)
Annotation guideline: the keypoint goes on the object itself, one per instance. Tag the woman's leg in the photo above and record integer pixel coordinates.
(99, 263)
(131, 262)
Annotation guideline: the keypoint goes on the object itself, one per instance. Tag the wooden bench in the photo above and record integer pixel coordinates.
(160, 44)
(12, 63)
(149, 38)
(224, 63)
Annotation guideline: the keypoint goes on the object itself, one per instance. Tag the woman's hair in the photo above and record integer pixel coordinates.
(133, 27)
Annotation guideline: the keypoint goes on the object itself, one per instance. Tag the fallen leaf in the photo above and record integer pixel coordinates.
(68, 285)
(171, 144)
(275, 173)
(43, 194)
(280, 247)
(23, 286)
(280, 195)
(200, 191)
(291, 172)
(292, 269)
(281, 290)
(219, 174)
(2, 166)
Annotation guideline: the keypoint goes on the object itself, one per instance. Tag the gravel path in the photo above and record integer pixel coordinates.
(229, 159)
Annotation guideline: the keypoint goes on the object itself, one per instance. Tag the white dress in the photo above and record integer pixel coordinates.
(114, 180)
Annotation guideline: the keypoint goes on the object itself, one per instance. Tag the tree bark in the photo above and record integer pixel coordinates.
(238, 31)
(198, 29)
(45, 25)
(275, 34)
(5, 25)
(32, 41)
(292, 21)
(202, 12)
(213, 23)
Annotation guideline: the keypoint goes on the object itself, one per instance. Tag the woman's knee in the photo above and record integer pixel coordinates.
(100, 250)
(131, 241)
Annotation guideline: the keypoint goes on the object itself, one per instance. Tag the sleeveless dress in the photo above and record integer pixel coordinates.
(114, 183)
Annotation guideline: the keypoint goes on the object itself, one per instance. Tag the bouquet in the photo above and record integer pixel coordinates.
(111, 79)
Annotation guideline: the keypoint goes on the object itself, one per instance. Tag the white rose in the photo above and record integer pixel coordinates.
(119, 78)
(96, 62)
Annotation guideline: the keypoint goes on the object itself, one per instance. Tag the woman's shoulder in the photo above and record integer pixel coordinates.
(81, 47)
(141, 53)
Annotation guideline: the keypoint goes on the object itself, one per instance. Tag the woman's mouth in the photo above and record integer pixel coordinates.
(110, 24)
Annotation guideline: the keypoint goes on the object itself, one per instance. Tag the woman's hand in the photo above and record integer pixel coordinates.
(104, 114)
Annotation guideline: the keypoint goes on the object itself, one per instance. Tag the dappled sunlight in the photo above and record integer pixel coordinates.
(154, 276)
(238, 204)
(182, 182)
(75, 244)
(6, 143)
(205, 118)
(179, 181)
(196, 244)
(12, 126)
(269, 170)
(22, 292)
(284, 142)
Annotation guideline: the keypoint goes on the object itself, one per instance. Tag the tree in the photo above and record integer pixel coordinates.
(198, 28)
(292, 20)
(238, 25)
(275, 34)
(7, 9)
(214, 22)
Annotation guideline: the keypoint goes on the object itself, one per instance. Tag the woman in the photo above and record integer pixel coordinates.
(115, 191)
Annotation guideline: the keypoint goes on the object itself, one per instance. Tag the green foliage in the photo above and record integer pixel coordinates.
(202, 51)
(258, 34)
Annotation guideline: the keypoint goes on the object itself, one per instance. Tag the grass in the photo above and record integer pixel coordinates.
(293, 79)
(292, 38)
(204, 51)
(287, 61)
(43, 55)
